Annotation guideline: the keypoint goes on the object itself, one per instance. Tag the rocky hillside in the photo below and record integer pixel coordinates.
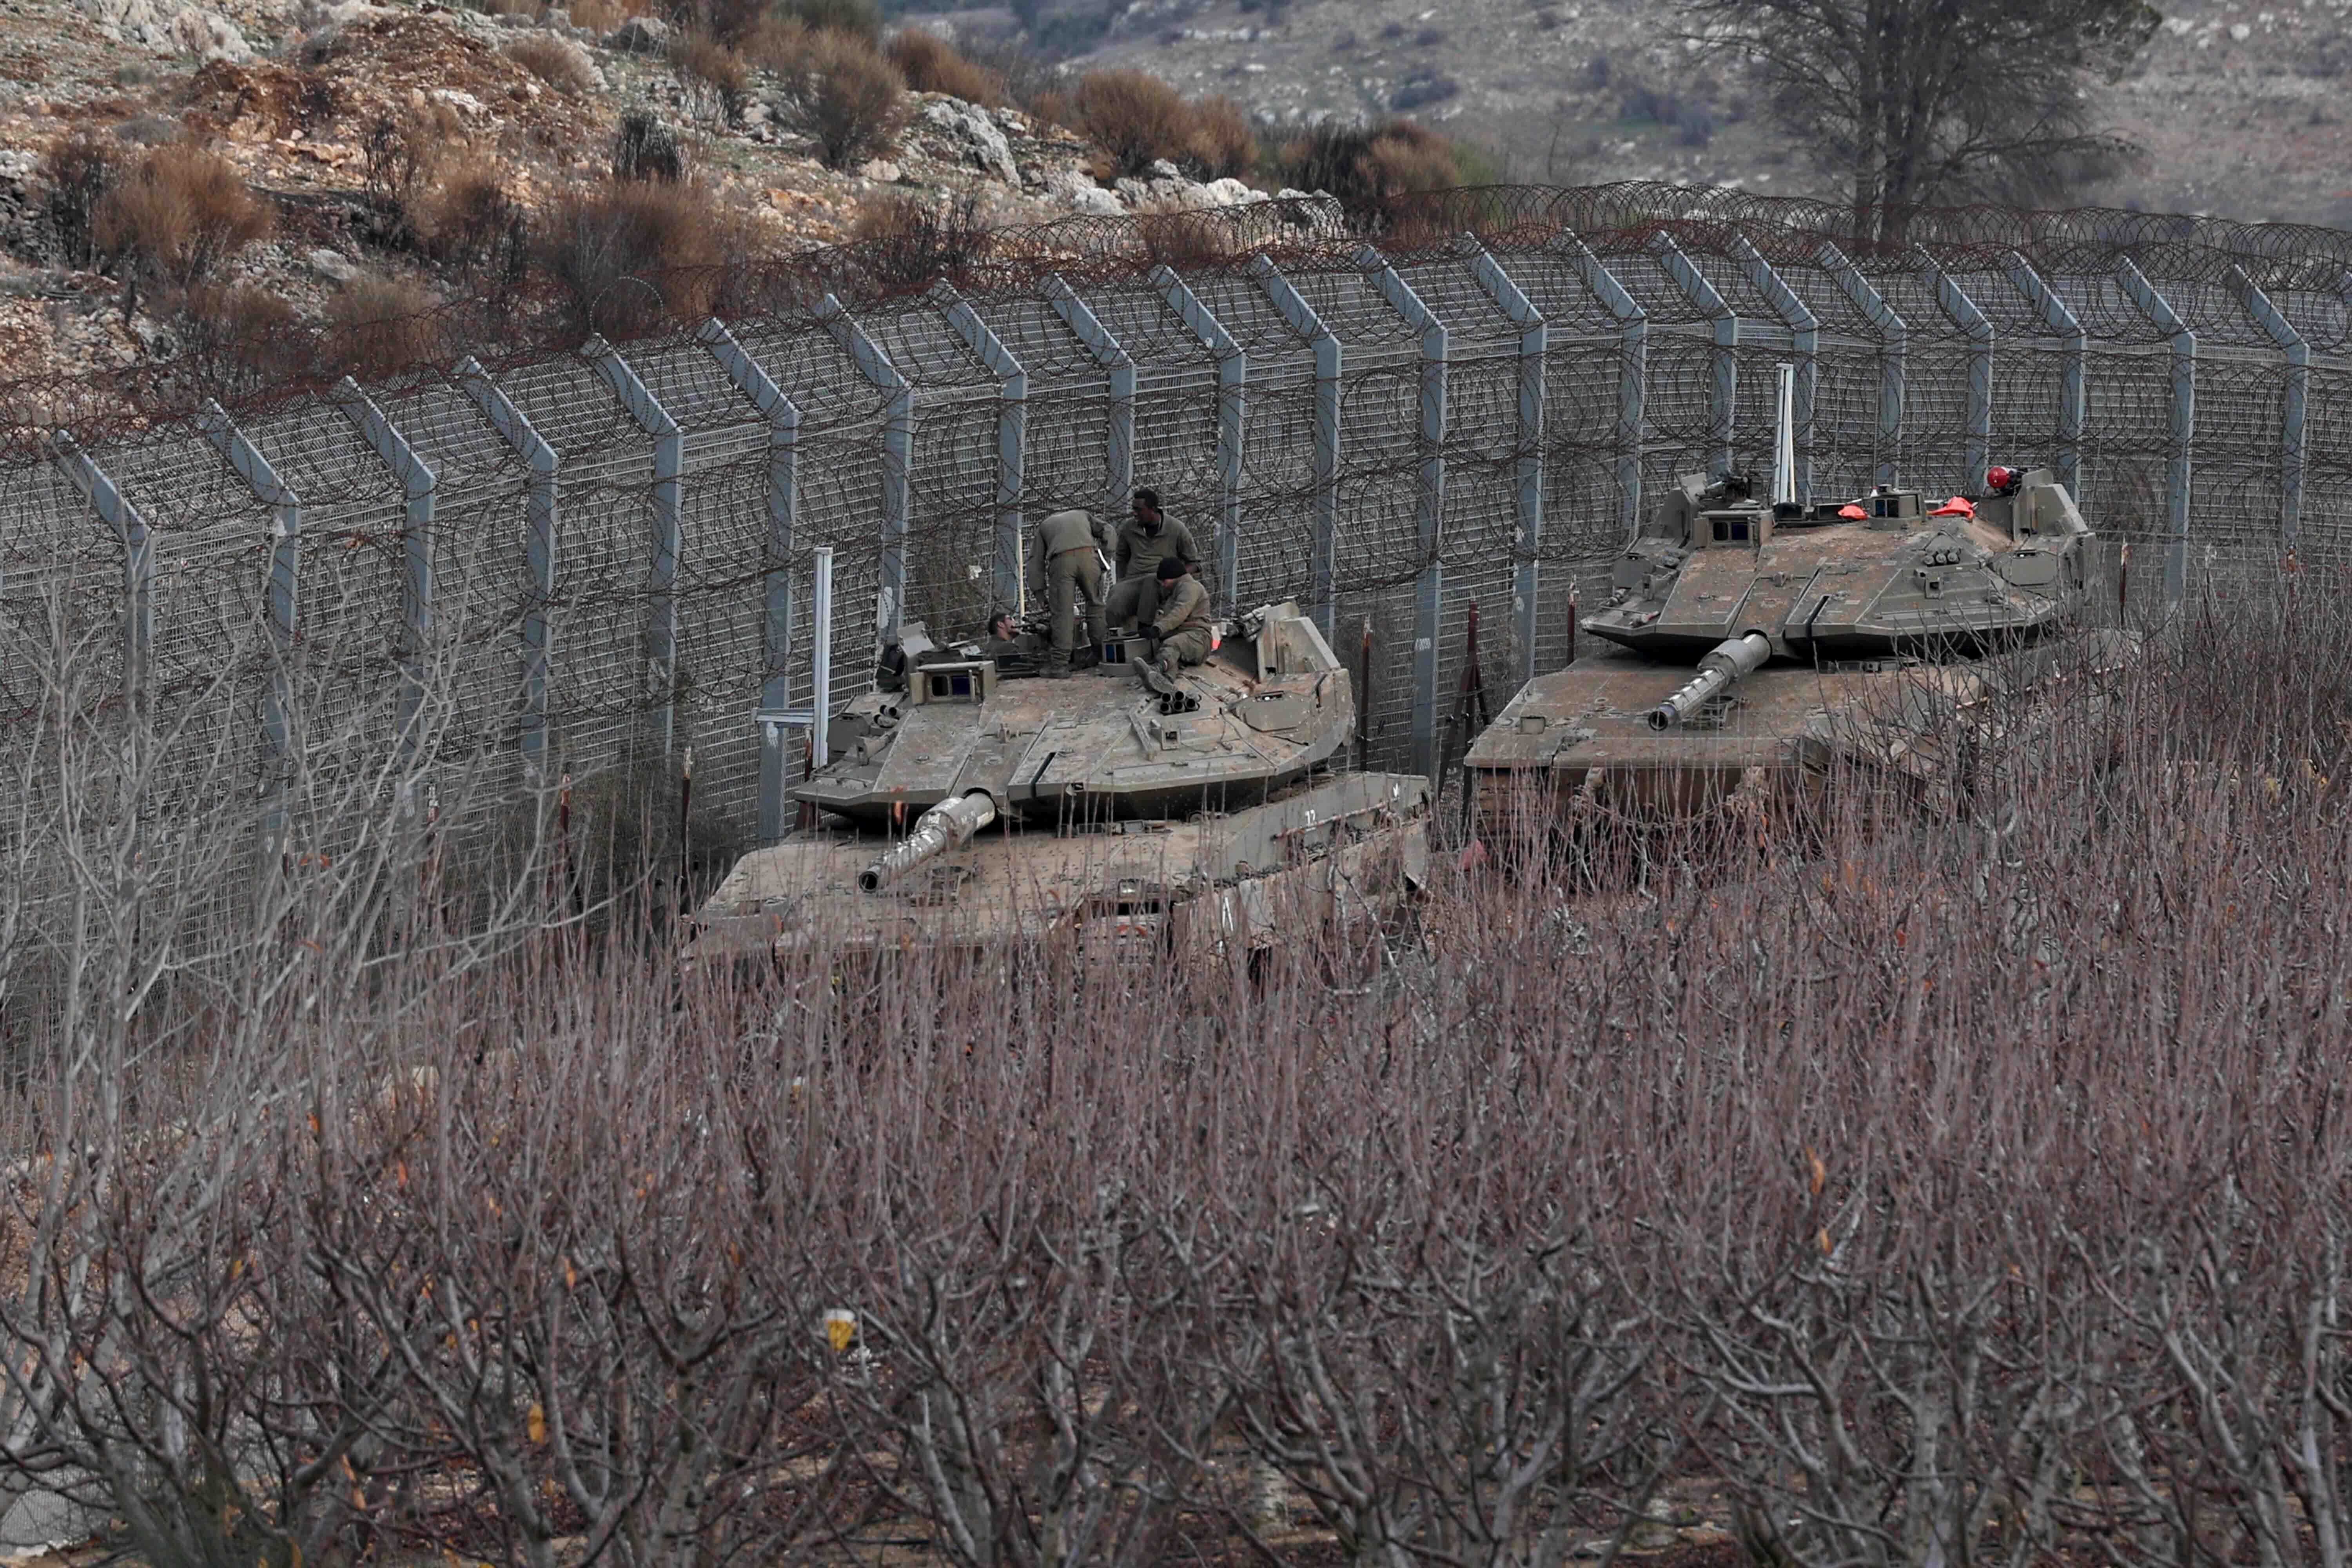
(2239, 107)
(397, 148)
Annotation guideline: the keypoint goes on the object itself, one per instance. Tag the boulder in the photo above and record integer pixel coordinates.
(332, 266)
(1229, 193)
(168, 25)
(639, 36)
(977, 138)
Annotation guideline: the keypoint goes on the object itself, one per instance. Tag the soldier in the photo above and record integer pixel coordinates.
(1070, 563)
(1003, 640)
(1145, 542)
(1178, 635)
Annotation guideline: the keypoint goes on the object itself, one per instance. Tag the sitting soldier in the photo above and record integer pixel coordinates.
(1180, 633)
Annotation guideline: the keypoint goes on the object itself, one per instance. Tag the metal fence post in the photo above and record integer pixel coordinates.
(1535, 344)
(1633, 371)
(2178, 471)
(1111, 356)
(137, 566)
(1724, 401)
(897, 456)
(783, 417)
(1977, 455)
(1233, 406)
(539, 555)
(669, 526)
(2293, 452)
(1429, 501)
(1894, 338)
(1011, 434)
(1805, 329)
(2072, 401)
(283, 605)
(1323, 575)
(420, 485)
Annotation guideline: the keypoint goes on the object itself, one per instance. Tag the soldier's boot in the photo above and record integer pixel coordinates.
(1154, 678)
(1086, 658)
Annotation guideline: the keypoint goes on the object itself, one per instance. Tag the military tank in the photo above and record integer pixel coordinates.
(974, 801)
(1753, 641)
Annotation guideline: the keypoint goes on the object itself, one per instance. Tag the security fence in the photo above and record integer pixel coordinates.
(583, 561)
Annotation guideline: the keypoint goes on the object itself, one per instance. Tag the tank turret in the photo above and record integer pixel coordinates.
(1744, 628)
(968, 801)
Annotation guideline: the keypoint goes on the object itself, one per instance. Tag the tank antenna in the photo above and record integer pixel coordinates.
(1784, 441)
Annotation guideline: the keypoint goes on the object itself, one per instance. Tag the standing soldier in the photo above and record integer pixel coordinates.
(1070, 563)
(1147, 540)
(1179, 633)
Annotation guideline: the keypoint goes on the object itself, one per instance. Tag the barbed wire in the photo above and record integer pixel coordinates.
(1459, 398)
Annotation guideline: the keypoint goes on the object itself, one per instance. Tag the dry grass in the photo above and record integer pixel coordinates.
(632, 255)
(178, 215)
(933, 63)
(377, 328)
(469, 220)
(645, 148)
(839, 91)
(560, 62)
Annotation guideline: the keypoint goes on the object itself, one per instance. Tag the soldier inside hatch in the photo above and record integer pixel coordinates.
(1069, 562)
(1148, 539)
(1178, 635)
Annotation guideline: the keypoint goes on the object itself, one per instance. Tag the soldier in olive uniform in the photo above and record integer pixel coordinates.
(1068, 559)
(1178, 635)
(1148, 539)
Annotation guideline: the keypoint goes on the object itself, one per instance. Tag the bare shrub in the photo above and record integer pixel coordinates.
(77, 169)
(1222, 143)
(558, 61)
(839, 92)
(400, 152)
(907, 241)
(933, 63)
(714, 81)
(1368, 168)
(860, 19)
(176, 216)
(645, 148)
(378, 327)
(1133, 115)
(631, 255)
(470, 220)
(240, 339)
(599, 17)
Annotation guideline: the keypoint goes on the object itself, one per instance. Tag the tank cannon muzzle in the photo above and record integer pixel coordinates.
(1726, 662)
(947, 826)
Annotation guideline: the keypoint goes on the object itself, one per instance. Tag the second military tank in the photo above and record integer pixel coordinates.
(975, 803)
(1752, 641)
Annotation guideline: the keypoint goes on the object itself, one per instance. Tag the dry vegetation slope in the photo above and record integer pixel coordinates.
(2238, 105)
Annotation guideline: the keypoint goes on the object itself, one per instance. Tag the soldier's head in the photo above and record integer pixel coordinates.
(1147, 508)
(1169, 570)
(1000, 626)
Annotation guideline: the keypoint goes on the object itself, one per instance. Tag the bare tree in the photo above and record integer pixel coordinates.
(1907, 103)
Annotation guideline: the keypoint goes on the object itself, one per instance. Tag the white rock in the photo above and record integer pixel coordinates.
(2241, 31)
(882, 172)
(982, 143)
(170, 24)
(464, 103)
(639, 36)
(334, 266)
(1229, 193)
(1161, 169)
(1094, 202)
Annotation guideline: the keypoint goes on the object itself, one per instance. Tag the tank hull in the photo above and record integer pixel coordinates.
(1576, 746)
(1345, 843)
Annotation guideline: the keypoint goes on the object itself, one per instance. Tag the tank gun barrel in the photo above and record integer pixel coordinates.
(1724, 663)
(947, 826)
